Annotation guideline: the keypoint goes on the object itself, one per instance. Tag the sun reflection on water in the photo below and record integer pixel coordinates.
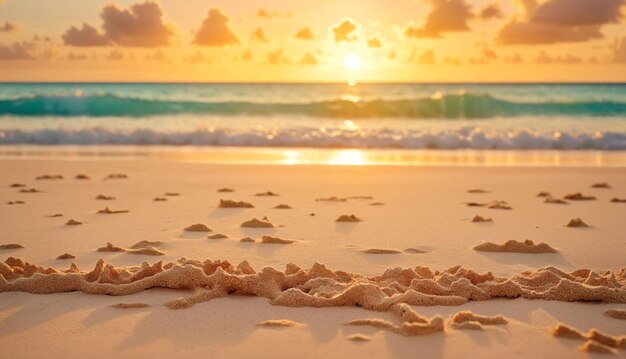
(348, 158)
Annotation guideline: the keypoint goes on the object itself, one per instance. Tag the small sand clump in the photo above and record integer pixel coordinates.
(499, 205)
(359, 338)
(17, 185)
(49, 177)
(130, 305)
(380, 251)
(160, 199)
(56, 215)
(146, 251)
(281, 323)
(544, 194)
(592, 337)
(616, 313)
(81, 176)
(414, 251)
(225, 190)
(553, 200)
(65, 256)
(267, 194)
(145, 244)
(477, 190)
(11, 246)
(110, 248)
(275, 240)
(105, 197)
(579, 197)
(282, 206)
(217, 236)
(226, 203)
(198, 227)
(107, 210)
(331, 199)
(257, 223)
(577, 223)
(377, 204)
(481, 219)
(73, 222)
(514, 246)
(348, 218)
(601, 185)
(618, 200)
(15, 202)
(468, 320)
(247, 240)
(171, 194)
(116, 176)
(30, 190)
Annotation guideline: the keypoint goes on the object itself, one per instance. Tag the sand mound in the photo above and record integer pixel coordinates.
(267, 194)
(282, 206)
(359, 338)
(553, 200)
(145, 244)
(591, 346)
(469, 320)
(601, 185)
(107, 210)
(226, 203)
(11, 246)
(110, 248)
(331, 199)
(544, 194)
(130, 305)
(579, 197)
(73, 222)
(146, 251)
(49, 177)
(31, 190)
(15, 202)
(595, 340)
(577, 223)
(348, 218)
(616, 313)
(380, 251)
(247, 240)
(160, 199)
(217, 236)
(198, 227)
(477, 190)
(514, 246)
(66, 256)
(480, 219)
(499, 205)
(377, 204)
(618, 200)
(105, 197)
(171, 194)
(17, 185)
(321, 287)
(275, 240)
(116, 176)
(282, 323)
(226, 190)
(81, 176)
(414, 251)
(257, 223)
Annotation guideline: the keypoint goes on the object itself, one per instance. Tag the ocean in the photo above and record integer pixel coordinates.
(362, 116)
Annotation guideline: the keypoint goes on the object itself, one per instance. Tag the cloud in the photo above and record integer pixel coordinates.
(264, 14)
(158, 56)
(557, 21)
(515, 59)
(247, 55)
(23, 50)
(620, 52)
(196, 58)
(374, 42)
(446, 16)
(277, 57)
(308, 59)
(427, 58)
(76, 57)
(259, 35)
(141, 25)
(344, 31)
(215, 31)
(10, 27)
(544, 58)
(489, 54)
(84, 37)
(305, 34)
(452, 61)
(491, 11)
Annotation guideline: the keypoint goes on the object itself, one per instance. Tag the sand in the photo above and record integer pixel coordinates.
(282, 323)
(480, 219)
(198, 227)
(282, 206)
(73, 222)
(601, 185)
(618, 200)
(616, 313)
(105, 197)
(579, 197)
(348, 218)
(256, 223)
(595, 340)
(550, 199)
(66, 256)
(225, 190)
(219, 302)
(107, 210)
(381, 251)
(468, 320)
(130, 305)
(217, 236)
(11, 246)
(267, 194)
(514, 246)
(275, 240)
(577, 223)
(359, 338)
(226, 203)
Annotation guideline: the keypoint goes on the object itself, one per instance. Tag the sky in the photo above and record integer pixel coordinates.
(313, 40)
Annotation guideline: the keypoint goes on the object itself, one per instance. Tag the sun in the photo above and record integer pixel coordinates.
(352, 62)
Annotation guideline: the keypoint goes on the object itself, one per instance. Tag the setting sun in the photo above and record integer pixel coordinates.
(352, 62)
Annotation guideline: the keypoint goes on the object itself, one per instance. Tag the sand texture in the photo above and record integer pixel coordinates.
(514, 246)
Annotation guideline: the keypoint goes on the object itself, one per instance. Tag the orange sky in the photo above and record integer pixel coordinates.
(310, 40)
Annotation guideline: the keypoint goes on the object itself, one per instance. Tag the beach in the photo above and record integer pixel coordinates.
(420, 218)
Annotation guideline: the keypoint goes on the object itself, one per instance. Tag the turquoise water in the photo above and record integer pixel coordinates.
(445, 116)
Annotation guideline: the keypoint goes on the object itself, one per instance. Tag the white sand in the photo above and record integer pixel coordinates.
(423, 209)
